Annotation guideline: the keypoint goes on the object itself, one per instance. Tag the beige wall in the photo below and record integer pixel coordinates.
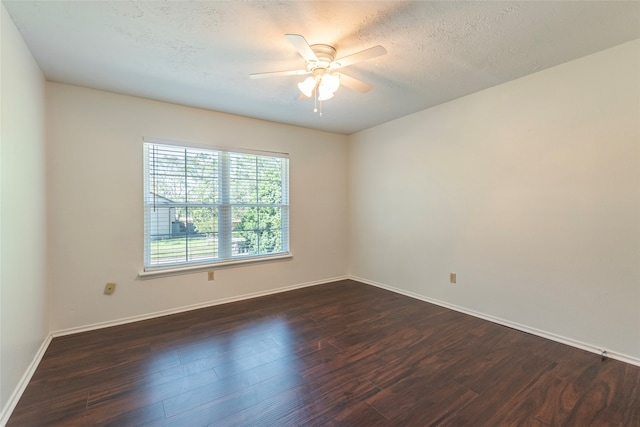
(529, 191)
(24, 312)
(95, 205)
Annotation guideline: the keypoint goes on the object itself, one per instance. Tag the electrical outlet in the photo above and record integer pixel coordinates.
(109, 288)
(452, 277)
(209, 275)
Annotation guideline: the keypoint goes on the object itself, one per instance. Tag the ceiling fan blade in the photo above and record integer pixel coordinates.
(302, 47)
(278, 73)
(353, 83)
(363, 55)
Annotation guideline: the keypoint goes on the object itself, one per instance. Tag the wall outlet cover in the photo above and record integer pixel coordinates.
(109, 288)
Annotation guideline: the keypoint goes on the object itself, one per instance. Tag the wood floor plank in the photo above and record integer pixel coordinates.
(149, 392)
(40, 408)
(417, 401)
(612, 397)
(229, 403)
(339, 354)
(548, 401)
(115, 414)
(329, 405)
(360, 414)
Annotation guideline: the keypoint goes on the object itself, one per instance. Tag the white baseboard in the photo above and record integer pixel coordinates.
(177, 310)
(24, 381)
(544, 334)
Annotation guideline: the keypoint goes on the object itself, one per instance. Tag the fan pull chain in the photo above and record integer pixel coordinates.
(315, 100)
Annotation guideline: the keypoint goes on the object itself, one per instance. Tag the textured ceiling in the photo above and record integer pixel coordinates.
(201, 53)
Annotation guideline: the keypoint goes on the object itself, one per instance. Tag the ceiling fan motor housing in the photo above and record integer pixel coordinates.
(325, 54)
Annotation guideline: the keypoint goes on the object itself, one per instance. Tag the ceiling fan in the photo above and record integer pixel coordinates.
(322, 65)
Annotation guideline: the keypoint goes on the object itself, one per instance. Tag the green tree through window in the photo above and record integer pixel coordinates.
(207, 205)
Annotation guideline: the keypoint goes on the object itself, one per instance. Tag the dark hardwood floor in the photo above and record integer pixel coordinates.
(343, 353)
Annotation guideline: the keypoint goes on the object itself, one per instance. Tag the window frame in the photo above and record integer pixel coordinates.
(224, 206)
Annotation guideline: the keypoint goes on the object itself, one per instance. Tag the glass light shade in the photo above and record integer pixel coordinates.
(307, 86)
(330, 82)
(324, 94)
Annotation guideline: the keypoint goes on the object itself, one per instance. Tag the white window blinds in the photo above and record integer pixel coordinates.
(207, 206)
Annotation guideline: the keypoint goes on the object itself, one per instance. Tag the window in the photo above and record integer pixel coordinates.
(203, 206)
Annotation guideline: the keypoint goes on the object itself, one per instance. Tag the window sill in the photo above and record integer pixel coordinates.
(160, 272)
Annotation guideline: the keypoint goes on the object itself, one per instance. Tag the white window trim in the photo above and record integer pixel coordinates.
(151, 273)
(160, 141)
(168, 270)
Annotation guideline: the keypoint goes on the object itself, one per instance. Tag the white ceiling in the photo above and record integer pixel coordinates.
(200, 53)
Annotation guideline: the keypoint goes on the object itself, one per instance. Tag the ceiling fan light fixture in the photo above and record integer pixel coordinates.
(321, 62)
(330, 82)
(324, 95)
(307, 86)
